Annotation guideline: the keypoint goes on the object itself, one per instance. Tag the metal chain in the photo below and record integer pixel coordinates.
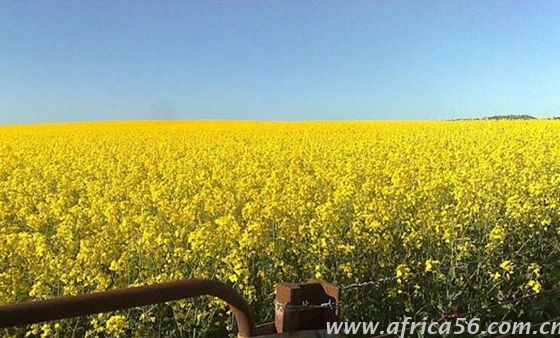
(368, 283)
(377, 282)
(305, 305)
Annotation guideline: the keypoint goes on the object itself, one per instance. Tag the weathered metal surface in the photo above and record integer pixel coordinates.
(307, 306)
(87, 304)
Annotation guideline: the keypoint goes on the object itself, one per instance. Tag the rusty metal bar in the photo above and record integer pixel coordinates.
(87, 304)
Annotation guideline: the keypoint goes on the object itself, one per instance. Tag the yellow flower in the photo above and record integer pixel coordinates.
(116, 324)
(534, 285)
(96, 206)
(46, 330)
(495, 276)
(507, 266)
(114, 265)
(498, 234)
(402, 271)
(430, 263)
(318, 274)
(534, 269)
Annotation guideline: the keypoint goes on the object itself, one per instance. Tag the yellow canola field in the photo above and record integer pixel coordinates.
(458, 213)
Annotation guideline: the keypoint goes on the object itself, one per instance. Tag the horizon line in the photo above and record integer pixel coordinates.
(327, 120)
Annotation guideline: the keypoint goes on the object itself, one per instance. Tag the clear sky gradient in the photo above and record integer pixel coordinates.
(277, 60)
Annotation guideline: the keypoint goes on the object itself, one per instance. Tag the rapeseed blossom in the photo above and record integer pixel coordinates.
(467, 210)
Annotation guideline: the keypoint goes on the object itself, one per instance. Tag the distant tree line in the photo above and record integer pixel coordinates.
(510, 117)
(507, 117)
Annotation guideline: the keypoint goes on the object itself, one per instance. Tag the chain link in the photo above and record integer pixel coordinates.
(306, 306)
(368, 283)
(380, 281)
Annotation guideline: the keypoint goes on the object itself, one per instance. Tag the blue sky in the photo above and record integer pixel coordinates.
(277, 60)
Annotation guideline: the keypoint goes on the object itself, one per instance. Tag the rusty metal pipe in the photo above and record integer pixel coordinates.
(87, 304)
